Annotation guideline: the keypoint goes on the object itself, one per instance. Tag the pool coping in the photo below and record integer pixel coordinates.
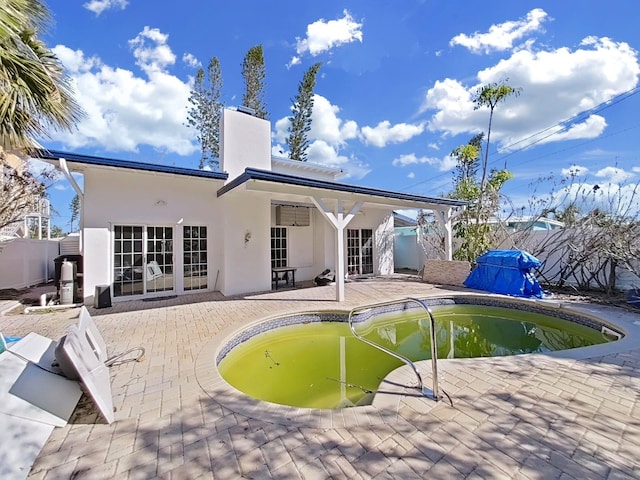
(400, 385)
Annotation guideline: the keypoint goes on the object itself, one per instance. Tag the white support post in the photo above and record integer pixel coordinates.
(65, 170)
(339, 260)
(339, 222)
(445, 219)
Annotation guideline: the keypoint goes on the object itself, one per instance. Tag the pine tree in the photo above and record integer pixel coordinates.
(253, 72)
(74, 206)
(204, 114)
(300, 120)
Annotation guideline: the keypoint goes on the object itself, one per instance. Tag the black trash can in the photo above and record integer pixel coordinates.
(102, 297)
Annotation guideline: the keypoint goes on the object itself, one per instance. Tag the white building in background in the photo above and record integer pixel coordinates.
(35, 223)
(152, 230)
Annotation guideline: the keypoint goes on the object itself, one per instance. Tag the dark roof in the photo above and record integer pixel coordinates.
(266, 176)
(400, 220)
(112, 162)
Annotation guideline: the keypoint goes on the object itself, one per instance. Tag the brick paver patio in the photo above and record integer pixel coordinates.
(532, 416)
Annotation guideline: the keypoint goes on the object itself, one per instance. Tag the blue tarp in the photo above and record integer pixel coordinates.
(507, 272)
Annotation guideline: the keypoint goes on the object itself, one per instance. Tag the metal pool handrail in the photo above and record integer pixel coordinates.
(434, 356)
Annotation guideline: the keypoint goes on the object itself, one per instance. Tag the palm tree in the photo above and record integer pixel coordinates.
(35, 92)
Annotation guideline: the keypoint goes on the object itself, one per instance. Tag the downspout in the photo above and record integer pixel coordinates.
(65, 170)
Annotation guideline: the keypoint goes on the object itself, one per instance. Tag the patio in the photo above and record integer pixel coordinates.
(532, 416)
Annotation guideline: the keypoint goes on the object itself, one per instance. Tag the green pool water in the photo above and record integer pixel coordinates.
(322, 365)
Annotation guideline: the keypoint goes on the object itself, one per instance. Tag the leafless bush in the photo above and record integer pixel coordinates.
(601, 236)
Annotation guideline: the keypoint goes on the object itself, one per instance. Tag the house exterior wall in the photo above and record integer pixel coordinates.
(246, 264)
(127, 197)
(381, 222)
(312, 249)
(303, 246)
(384, 244)
(238, 222)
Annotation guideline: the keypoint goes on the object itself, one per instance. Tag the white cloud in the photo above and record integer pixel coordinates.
(384, 133)
(412, 159)
(294, 61)
(443, 165)
(151, 50)
(411, 175)
(99, 6)
(556, 85)
(125, 110)
(324, 35)
(324, 154)
(325, 125)
(279, 150)
(613, 198)
(448, 163)
(328, 134)
(502, 36)
(191, 60)
(574, 171)
(614, 174)
(635, 169)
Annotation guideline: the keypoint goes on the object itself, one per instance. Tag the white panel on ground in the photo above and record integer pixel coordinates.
(88, 326)
(29, 392)
(94, 374)
(20, 444)
(36, 349)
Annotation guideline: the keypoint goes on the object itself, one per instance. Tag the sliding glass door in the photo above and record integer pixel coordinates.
(142, 260)
(359, 251)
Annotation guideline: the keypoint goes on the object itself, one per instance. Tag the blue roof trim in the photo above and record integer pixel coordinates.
(112, 162)
(266, 176)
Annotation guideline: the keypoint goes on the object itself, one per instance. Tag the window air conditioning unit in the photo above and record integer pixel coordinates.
(292, 216)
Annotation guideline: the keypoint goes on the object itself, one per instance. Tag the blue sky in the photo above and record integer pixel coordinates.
(393, 97)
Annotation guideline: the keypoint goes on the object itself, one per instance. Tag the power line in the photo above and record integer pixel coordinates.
(564, 124)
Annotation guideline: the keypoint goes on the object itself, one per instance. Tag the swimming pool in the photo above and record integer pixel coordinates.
(312, 360)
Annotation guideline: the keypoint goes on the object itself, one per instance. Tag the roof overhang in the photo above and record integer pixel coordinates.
(311, 167)
(80, 162)
(305, 188)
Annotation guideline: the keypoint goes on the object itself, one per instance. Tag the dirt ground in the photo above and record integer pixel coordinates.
(617, 299)
(26, 296)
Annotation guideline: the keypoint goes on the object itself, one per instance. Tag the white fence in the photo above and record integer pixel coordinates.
(542, 245)
(409, 254)
(25, 262)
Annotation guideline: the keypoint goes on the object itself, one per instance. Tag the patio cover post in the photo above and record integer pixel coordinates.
(445, 219)
(65, 170)
(338, 221)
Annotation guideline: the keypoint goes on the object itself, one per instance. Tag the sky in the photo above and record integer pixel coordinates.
(394, 95)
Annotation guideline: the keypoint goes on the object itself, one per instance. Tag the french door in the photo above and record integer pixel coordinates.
(359, 251)
(142, 260)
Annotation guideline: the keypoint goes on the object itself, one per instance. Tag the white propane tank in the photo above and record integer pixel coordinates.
(66, 283)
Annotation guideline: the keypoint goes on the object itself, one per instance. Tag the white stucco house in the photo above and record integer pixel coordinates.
(152, 230)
